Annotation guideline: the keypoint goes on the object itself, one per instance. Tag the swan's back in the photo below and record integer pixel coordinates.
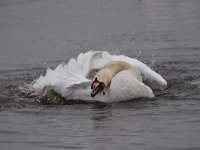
(127, 85)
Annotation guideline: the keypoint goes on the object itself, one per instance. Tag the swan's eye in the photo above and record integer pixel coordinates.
(102, 85)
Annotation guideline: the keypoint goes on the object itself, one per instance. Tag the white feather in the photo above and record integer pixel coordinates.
(70, 80)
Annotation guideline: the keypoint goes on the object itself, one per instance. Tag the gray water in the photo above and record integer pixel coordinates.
(165, 34)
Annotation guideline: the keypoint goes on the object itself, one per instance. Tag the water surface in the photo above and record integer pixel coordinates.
(35, 35)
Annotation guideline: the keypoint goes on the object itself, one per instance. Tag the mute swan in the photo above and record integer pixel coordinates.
(119, 77)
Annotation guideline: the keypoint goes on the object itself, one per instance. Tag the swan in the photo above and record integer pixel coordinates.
(100, 76)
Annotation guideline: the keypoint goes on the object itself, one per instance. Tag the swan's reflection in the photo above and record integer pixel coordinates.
(102, 115)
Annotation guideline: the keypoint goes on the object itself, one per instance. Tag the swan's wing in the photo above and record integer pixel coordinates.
(79, 91)
(65, 76)
(70, 80)
(150, 77)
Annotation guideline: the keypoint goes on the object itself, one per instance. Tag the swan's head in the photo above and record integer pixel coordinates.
(104, 77)
(97, 86)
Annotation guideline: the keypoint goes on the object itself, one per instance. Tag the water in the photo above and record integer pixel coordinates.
(35, 35)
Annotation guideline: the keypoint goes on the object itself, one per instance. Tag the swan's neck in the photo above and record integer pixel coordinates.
(107, 73)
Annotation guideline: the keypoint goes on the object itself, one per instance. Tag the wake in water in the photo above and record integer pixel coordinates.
(72, 81)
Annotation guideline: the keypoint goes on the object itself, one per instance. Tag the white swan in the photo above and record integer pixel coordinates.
(125, 78)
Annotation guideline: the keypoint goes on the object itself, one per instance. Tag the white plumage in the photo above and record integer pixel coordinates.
(70, 80)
